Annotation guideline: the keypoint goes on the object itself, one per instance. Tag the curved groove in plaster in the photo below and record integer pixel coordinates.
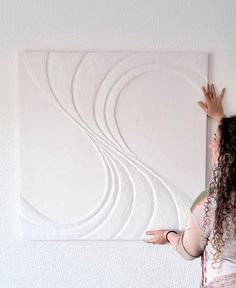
(140, 72)
(72, 224)
(97, 209)
(77, 111)
(96, 97)
(185, 69)
(74, 103)
(112, 210)
(47, 221)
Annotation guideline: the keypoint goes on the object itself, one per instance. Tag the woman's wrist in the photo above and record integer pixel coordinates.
(219, 116)
(170, 231)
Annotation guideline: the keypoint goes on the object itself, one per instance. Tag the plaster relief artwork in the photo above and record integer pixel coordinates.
(112, 144)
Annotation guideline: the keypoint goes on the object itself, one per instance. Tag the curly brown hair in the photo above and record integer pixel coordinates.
(223, 190)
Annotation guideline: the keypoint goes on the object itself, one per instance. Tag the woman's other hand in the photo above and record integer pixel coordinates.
(160, 237)
(213, 104)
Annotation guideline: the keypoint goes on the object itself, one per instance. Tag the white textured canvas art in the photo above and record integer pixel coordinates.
(112, 144)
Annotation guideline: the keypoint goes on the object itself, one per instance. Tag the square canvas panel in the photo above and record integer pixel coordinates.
(112, 144)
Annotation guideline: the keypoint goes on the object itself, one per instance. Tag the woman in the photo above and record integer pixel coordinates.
(211, 226)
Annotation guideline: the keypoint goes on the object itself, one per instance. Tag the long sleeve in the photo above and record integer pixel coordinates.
(190, 244)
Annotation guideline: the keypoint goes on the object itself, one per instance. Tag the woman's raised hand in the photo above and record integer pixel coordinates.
(212, 105)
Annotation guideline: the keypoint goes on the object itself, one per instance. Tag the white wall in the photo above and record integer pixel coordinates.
(206, 26)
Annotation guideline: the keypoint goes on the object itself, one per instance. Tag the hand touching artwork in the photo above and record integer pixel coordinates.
(212, 105)
(159, 237)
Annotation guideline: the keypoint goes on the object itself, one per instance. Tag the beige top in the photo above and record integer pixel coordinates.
(194, 243)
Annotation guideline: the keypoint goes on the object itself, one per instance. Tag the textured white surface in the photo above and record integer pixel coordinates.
(103, 138)
(191, 25)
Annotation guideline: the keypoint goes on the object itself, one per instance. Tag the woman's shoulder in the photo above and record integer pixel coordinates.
(198, 211)
(200, 200)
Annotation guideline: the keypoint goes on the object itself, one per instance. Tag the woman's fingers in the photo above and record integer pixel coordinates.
(152, 240)
(213, 92)
(152, 232)
(202, 105)
(211, 95)
(160, 237)
(206, 93)
(210, 92)
(222, 94)
(208, 89)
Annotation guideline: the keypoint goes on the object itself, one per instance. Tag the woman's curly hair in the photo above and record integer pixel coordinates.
(223, 189)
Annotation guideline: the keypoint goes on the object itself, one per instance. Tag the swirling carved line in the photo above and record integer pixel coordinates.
(98, 209)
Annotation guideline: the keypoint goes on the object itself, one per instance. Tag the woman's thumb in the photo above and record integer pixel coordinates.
(202, 105)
